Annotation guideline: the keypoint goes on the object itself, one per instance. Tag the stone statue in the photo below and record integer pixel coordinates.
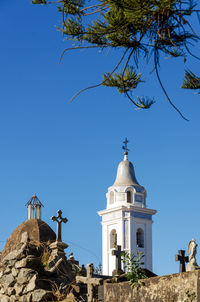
(192, 251)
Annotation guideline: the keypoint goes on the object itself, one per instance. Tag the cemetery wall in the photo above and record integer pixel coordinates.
(183, 287)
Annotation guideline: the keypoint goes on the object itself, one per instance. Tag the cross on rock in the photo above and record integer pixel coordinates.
(183, 259)
(59, 219)
(90, 281)
(118, 268)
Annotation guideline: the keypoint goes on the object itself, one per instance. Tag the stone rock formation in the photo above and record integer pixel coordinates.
(25, 275)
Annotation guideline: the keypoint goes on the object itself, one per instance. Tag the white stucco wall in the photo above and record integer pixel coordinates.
(121, 219)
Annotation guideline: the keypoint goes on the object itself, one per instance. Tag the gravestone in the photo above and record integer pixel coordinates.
(118, 270)
(59, 219)
(90, 281)
(183, 259)
(57, 257)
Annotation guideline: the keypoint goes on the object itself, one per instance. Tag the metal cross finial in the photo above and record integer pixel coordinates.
(59, 219)
(125, 146)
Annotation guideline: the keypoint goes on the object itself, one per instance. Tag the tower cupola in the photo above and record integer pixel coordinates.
(125, 174)
(34, 206)
(126, 189)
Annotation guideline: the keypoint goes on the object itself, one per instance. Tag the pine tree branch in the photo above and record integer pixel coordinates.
(191, 81)
(92, 6)
(97, 11)
(144, 29)
(132, 101)
(77, 47)
(165, 92)
(97, 85)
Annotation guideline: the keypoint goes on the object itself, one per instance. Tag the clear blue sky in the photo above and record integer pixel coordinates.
(68, 153)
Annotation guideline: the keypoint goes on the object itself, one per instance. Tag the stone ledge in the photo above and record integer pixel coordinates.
(157, 289)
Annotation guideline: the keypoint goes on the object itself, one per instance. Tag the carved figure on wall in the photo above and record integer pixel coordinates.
(192, 251)
(113, 239)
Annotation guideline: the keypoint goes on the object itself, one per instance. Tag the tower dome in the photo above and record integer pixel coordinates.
(125, 174)
(126, 190)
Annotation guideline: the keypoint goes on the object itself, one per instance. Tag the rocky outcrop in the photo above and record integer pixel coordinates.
(26, 277)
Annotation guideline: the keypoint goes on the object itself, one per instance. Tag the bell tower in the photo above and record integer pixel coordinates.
(126, 221)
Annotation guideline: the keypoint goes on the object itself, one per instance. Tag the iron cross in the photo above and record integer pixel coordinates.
(183, 259)
(59, 219)
(117, 253)
(125, 145)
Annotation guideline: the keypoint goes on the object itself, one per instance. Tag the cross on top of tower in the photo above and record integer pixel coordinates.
(59, 219)
(124, 147)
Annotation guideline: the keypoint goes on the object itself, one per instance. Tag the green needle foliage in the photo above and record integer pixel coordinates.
(191, 81)
(124, 82)
(39, 2)
(138, 29)
(133, 267)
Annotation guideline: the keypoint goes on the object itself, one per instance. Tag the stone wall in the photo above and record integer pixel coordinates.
(26, 277)
(21, 276)
(183, 287)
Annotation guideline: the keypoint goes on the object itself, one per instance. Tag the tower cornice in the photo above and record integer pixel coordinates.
(127, 208)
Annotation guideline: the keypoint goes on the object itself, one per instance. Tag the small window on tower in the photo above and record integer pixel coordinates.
(140, 238)
(113, 239)
(129, 196)
(111, 197)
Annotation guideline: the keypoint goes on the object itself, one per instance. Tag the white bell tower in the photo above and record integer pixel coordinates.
(126, 220)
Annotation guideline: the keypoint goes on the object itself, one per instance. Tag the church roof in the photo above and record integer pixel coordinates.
(125, 174)
(38, 231)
